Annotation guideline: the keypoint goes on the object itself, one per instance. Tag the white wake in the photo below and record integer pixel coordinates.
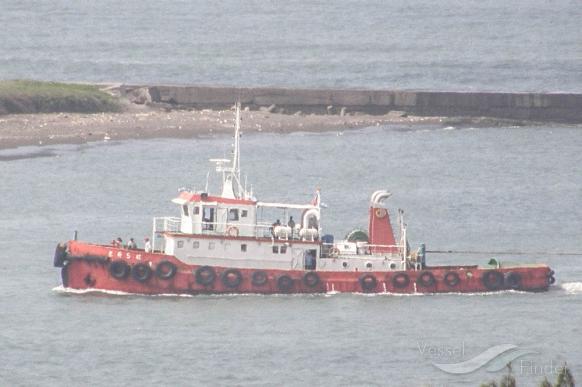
(572, 287)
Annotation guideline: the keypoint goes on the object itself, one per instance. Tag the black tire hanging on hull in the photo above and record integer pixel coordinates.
(285, 283)
(400, 280)
(426, 279)
(493, 280)
(205, 275)
(452, 279)
(65, 276)
(513, 280)
(231, 278)
(311, 279)
(166, 270)
(141, 272)
(368, 282)
(60, 258)
(259, 278)
(119, 269)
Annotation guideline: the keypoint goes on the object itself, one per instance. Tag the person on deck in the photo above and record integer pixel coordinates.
(276, 224)
(291, 224)
(131, 244)
(147, 245)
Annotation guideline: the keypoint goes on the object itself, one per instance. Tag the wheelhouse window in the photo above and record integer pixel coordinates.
(283, 249)
(208, 218)
(233, 214)
(185, 210)
(196, 244)
(244, 213)
(196, 210)
(275, 249)
(243, 247)
(180, 244)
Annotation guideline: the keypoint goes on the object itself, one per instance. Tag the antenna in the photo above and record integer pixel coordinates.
(246, 192)
(236, 156)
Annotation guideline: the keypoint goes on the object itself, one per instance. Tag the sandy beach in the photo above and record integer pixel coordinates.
(142, 122)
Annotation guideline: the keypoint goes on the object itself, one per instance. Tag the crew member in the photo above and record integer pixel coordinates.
(131, 244)
(291, 224)
(147, 245)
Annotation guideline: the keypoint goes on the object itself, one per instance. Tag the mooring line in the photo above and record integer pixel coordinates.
(502, 252)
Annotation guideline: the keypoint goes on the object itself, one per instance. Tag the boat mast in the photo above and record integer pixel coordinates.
(230, 168)
(236, 155)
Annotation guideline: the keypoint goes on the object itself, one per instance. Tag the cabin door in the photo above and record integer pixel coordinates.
(309, 259)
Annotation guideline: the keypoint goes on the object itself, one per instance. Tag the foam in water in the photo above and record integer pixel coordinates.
(572, 287)
(61, 289)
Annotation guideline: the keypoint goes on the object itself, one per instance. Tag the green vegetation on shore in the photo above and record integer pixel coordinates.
(23, 96)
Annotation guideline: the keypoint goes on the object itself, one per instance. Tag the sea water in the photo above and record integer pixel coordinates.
(485, 189)
(518, 45)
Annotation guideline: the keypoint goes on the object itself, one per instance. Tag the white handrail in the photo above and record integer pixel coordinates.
(261, 229)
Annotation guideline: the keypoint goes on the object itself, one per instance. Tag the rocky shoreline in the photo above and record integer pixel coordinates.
(144, 119)
(145, 122)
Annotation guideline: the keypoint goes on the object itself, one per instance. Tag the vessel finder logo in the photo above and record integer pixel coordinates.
(494, 358)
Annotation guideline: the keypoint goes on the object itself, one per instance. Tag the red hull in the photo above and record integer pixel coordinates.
(88, 266)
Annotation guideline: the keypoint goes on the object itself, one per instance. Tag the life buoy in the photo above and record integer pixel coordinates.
(452, 279)
(259, 278)
(426, 279)
(231, 278)
(381, 213)
(368, 282)
(119, 269)
(513, 280)
(493, 280)
(311, 279)
(141, 272)
(232, 231)
(166, 270)
(285, 283)
(400, 280)
(334, 252)
(205, 275)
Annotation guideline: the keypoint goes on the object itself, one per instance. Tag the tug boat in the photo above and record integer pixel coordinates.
(221, 243)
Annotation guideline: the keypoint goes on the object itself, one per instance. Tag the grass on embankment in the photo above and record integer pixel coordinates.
(22, 96)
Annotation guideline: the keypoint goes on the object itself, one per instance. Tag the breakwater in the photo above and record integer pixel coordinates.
(545, 107)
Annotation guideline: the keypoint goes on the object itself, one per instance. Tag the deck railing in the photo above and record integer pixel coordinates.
(161, 225)
(330, 250)
(265, 230)
(258, 230)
